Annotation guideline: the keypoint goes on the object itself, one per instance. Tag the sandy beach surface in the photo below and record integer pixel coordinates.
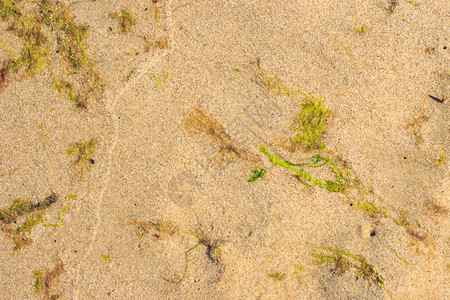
(129, 131)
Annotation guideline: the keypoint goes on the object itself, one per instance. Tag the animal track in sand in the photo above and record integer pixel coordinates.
(113, 96)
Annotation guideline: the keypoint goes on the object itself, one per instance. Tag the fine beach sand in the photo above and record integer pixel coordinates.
(159, 186)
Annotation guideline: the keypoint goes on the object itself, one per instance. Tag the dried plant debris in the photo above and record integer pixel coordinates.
(19, 219)
(415, 126)
(160, 228)
(46, 281)
(61, 213)
(277, 276)
(161, 44)
(158, 12)
(213, 253)
(198, 122)
(390, 8)
(126, 20)
(275, 85)
(394, 252)
(49, 25)
(343, 261)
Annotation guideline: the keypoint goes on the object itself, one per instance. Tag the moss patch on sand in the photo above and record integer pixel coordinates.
(310, 124)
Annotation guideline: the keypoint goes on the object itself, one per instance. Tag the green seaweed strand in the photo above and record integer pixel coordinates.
(61, 213)
(329, 185)
(186, 267)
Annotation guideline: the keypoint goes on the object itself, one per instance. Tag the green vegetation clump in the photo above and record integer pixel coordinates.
(70, 35)
(317, 161)
(83, 150)
(370, 209)
(344, 261)
(34, 55)
(403, 220)
(38, 281)
(361, 29)
(160, 79)
(106, 258)
(71, 39)
(65, 87)
(126, 20)
(257, 174)
(25, 215)
(8, 10)
(50, 25)
(414, 3)
(310, 124)
(440, 161)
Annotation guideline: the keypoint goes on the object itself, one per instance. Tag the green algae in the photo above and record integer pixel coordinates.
(38, 280)
(370, 209)
(257, 174)
(106, 258)
(126, 20)
(317, 161)
(25, 215)
(50, 25)
(83, 150)
(344, 261)
(61, 213)
(186, 265)
(310, 124)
